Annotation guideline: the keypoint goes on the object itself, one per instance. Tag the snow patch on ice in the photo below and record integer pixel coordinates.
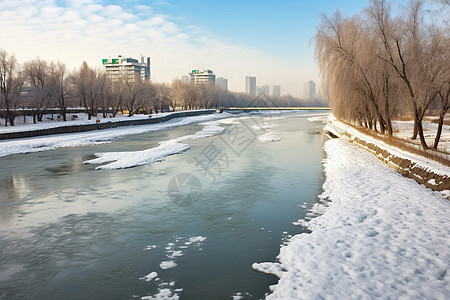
(167, 264)
(210, 129)
(269, 268)
(195, 239)
(150, 276)
(128, 159)
(270, 136)
(163, 294)
(150, 247)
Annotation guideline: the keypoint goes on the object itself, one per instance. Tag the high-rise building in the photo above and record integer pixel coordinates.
(185, 79)
(276, 91)
(203, 77)
(128, 67)
(309, 90)
(264, 89)
(222, 83)
(250, 85)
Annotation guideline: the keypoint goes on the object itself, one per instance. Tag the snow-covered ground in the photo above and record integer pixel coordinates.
(381, 236)
(404, 130)
(337, 127)
(43, 143)
(81, 119)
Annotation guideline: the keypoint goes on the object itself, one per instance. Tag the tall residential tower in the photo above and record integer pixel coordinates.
(309, 90)
(250, 85)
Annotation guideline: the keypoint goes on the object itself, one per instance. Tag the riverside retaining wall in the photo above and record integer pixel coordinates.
(101, 125)
(404, 166)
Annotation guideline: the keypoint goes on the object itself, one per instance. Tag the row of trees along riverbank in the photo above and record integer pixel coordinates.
(38, 85)
(379, 65)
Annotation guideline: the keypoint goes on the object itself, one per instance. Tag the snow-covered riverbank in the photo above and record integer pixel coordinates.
(380, 236)
(72, 120)
(50, 142)
(424, 170)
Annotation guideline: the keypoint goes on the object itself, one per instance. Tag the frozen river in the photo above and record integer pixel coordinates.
(189, 226)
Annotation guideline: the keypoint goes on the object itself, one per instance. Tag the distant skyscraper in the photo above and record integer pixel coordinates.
(263, 90)
(222, 83)
(250, 85)
(185, 79)
(276, 91)
(309, 90)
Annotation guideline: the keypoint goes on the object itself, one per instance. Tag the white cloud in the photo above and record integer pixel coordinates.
(89, 31)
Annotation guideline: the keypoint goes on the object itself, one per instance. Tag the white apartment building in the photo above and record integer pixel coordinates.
(129, 67)
(203, 77)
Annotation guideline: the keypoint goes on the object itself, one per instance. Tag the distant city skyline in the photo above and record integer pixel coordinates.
(176, 35)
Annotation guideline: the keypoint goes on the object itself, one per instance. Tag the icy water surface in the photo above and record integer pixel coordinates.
(190, 226)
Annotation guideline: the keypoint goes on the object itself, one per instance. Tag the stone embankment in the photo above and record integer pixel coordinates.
(436, 178)
(102, 125)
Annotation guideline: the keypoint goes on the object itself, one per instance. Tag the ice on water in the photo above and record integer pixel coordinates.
(128, 159)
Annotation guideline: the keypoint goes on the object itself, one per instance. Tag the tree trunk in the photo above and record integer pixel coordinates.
(439, 130)
(420, 130)
(9, 116)
(386, 109)
(414, 136)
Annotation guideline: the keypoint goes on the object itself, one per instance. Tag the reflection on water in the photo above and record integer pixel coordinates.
(69, 231)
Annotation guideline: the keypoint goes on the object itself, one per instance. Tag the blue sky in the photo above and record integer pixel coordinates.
(266, 39)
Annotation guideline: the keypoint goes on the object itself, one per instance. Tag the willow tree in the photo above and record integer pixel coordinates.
(342, 48)
(404, 44)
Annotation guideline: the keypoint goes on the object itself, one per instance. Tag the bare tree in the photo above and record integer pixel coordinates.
(188, 94)
(10, 85)
(379, 66)
(442, 82)
(86, 81)
(36, 72)
(133, 91)
(404, 42)
(342, 48)
(62, 86)
(163, 96)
